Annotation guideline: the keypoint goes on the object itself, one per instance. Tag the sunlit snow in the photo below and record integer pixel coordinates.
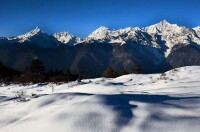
(150, 103)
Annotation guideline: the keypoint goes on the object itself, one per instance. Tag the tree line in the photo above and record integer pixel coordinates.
(35, 73)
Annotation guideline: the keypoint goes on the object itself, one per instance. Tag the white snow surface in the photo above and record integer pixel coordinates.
(138, 103)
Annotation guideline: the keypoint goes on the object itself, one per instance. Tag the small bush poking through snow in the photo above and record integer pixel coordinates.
(175, 70)
(152, 80)
(163, 76)
(21, 96)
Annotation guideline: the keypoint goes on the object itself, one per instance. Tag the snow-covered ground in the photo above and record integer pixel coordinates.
(131, 103)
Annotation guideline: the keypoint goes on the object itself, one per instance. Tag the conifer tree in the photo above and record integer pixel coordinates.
(110, 73)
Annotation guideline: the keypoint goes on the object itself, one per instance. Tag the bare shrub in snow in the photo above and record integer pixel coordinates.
(152, 80)
(21, 96)
(163, 76)
(174, 70)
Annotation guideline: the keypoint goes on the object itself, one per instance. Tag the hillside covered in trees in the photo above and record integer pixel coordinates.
(36, 73)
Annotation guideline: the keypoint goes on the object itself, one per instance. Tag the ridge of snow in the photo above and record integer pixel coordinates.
(25, 37)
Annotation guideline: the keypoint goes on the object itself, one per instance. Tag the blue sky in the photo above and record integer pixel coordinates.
(81, 17)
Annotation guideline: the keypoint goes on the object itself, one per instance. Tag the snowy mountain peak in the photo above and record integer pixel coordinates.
(102, 28)
(30, 34)
(159, 27)
(36, 30)
(62, 34)
(100, 33)
(164, 22)
(66, 38)
(163, 27)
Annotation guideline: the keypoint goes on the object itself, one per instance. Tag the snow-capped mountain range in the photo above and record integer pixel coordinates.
(171, 34)
(156, 48)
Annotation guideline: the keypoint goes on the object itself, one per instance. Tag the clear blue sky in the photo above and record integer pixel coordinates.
(81, 17)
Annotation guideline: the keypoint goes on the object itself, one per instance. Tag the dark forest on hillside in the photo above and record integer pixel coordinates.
(35, 73)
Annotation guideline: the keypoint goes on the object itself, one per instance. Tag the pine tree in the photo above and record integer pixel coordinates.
(35, 73)
(110, 73)
(36, 67)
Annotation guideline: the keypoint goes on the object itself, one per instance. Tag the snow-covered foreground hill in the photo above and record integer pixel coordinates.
(131, 103)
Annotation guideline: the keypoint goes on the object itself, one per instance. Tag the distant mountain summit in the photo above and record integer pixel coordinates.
(29, 35)
(66, 38)
(35, 37)
(160, 27)
(156, 48)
